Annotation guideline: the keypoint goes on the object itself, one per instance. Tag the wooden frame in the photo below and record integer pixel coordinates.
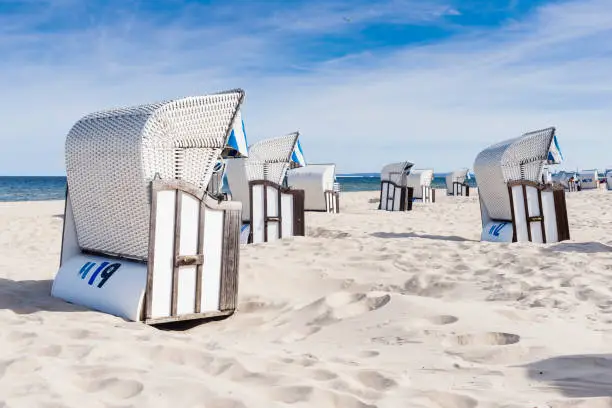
(405, 197)
(332, 201)
(193, 249)
(560, 207)
(458, 189)
(429, 194)
(229, 262)
(298, 216)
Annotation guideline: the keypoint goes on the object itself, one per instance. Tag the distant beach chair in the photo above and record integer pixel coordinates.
(456, 184)
(270, 209)
(395, 195)
(608, 175)
(515, 205)
(589, 179)
(142, 239)
(420, 181)
(318, 181)
(566, 180)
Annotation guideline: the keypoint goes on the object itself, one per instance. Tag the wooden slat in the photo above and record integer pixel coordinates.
(199, 267)
(151, 264)
(527, 213)
(337, 202)
(410, 195)
(541, 215)
(279, 218)
(230, 260)
(514, 238)
(265, 211)
(177, 242)
(561, 214)
(299, 228)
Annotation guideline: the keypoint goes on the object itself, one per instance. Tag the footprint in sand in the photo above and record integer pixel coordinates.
(117, 388)
(323, 375)
(375, 380)
(442, 319)
(487, 339)
(449, 400)
(225, 403)
(293, 394)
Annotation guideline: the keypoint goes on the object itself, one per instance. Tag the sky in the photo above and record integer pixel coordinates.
(365, 82)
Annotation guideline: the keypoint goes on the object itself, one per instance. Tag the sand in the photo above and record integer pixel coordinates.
(371, 309)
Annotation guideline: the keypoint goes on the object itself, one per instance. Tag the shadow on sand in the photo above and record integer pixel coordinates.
(31, 296)
(575, 376)
(425, 236)
(581, 247)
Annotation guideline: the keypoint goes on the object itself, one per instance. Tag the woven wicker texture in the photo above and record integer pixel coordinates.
(112, 156)
(269, 159)
(521, 158)
(396, 173)
(419, 178)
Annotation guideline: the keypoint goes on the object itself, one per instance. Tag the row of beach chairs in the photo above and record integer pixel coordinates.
(151, 235)
(515, 201)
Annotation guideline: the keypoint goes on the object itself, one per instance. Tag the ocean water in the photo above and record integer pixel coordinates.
(371, 181)
(32, 188)
(54, 188)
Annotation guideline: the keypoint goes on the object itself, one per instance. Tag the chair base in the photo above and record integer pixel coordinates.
(332, 201)
(460, 190)
(276, 212)
(539, 214)
(191, 271)
(394, 197)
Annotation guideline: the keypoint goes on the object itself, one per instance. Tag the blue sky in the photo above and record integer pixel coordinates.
(365, 83)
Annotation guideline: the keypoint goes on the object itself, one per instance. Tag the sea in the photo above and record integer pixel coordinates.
(42, 188)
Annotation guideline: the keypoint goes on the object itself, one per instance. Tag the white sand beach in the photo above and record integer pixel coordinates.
(371, 309)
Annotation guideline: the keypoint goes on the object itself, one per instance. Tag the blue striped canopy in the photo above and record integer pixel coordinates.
(298, 154)
(237, 142)
(554, 154)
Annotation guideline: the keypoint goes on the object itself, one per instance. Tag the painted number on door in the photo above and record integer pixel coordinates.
(104, 271)
(495, 229)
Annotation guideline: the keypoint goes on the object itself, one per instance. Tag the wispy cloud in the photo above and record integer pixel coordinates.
(313, 66)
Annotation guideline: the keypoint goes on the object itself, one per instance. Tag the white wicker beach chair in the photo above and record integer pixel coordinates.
(515, 204)
(420, 181)
(589, 179)
(456, 183)
(270, 210)
(318, 181)
(565, 179)
(142, 240)
(395, 195)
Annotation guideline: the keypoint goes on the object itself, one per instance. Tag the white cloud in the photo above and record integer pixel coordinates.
(437, 104)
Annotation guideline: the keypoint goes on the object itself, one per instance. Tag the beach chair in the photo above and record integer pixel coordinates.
(608, 176)
(270, 209)
(321, 191)
(420, 181)
(395, 195)
(515, 205)
(589, 179)
(141, 239)
(456, 184)
(566, 180)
